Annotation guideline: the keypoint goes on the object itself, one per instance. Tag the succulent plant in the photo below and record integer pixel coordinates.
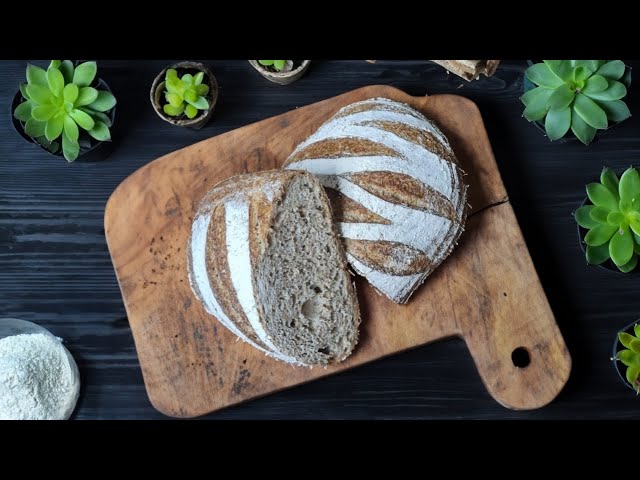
(277, 65)
(584, 95)
(613, 220)
(185, 95)
(60, 103)
(630, 356)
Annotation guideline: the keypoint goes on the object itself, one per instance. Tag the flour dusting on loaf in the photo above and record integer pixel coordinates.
(264, 259)
(396, 189)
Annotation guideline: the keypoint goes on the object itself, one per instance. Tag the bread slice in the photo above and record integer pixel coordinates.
(264, 259)
(397, 191)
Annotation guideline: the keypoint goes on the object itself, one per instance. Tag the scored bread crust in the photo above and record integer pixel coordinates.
(397, 188)
(237, 214)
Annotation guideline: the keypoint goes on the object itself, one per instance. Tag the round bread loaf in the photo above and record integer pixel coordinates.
(397, 192)
(265, 260)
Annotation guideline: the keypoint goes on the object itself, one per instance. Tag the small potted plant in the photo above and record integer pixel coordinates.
(610, 224)
(281, 71)
(582, 95)
(65, 110)
(626, 356)
(185, 94)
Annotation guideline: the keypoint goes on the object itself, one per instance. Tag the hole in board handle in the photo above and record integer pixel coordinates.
(520, 357)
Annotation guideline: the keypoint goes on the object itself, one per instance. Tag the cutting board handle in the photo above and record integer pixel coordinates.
(517, 346)
(525, 374)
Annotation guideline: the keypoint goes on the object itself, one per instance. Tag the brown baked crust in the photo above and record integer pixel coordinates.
(348, 147)
(390, 257)
(219, 275)
(349, 211)
(415, 135)
(371, 105)
(250, 187)
(403, 190)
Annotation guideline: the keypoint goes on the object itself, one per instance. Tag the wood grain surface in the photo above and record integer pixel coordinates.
(55, 267)
(488, 291)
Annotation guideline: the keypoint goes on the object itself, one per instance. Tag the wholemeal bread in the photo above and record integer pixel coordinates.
(265, 260)
(396, 189)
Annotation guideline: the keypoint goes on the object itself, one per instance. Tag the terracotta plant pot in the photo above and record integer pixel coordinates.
(158, 100)
(282, 78)
(91, 150)
(617, 346)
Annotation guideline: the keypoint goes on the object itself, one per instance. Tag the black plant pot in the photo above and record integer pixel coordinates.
(569, 137)
(620, 367)
(91, 150)
(608, 265)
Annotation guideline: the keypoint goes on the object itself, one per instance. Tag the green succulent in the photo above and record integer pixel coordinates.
(630, 356)
(277, 65)
(584, 95)
(60, 103)
(185, 95)
(613, 220)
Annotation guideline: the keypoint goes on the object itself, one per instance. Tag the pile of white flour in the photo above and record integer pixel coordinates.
(36, 380)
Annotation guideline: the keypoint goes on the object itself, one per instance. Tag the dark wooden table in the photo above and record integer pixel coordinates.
(55, 268)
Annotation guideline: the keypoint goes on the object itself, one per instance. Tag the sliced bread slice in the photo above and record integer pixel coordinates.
(265, 260)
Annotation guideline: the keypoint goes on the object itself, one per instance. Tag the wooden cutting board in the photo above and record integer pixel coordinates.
(486, 292)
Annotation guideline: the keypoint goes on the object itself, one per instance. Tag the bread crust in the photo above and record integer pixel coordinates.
(396, 187)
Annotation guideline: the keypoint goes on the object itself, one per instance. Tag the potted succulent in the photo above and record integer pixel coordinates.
(281, 71)
(185, 94)
(626, 356)
(582, 95)
(65, 110)
(610, 224)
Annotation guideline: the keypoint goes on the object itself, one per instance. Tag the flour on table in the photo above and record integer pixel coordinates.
(36, 380)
